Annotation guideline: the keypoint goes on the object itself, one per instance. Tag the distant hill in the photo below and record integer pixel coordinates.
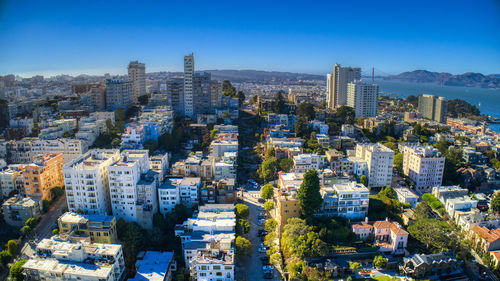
(261, 76)
(468, 79)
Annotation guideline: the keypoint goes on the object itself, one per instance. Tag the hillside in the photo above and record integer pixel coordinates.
(468, 79)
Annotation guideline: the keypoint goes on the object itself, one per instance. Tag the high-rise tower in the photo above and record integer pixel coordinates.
(137, 74)
(188, 85)
(337, 84)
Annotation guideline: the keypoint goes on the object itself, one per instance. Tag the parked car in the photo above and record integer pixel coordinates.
(262, 250)
(268, 267)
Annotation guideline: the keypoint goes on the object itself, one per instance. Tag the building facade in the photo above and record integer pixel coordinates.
(363, 98)
(336, 85)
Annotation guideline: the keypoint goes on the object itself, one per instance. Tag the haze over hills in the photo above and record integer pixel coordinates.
(468, 79)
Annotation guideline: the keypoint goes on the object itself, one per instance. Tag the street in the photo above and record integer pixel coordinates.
(253, 266)
(44, 228)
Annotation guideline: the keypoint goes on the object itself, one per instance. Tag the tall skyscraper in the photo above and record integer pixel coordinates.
(137, 74)
(336, 85)
(188, 85)
(433, 108)
(119, 94)
(363, 98)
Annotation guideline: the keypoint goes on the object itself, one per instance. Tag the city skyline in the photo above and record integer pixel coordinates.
(448, 36)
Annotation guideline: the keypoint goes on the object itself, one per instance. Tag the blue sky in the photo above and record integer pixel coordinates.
(95, 37)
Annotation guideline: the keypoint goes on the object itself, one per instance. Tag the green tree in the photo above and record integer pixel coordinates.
(267, 191)
(364, 180)
(309, 195)
(345, 113)
(228, 89)
(16, 270)
(389, 192)
(55, 231)
(5, 257)
(269, 205)
(270, 225)
(306, 110)
(495, 203)
(286, 164)
(354, 266)
(12, 247)
(279, 103)
(301, 127)
(269, 169)
(241, 98)
(398, 162)
(31, 222)
(243, 247)
(270, 152)
(242, 211)
(379, 262)
(116, 143)
(422, 211)
(242, 227)
(151, 145)
(431, 232)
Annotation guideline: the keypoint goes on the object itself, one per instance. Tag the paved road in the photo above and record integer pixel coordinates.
(253, 267)
(44, 227)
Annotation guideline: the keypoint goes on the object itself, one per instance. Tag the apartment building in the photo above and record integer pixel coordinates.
(319, 126)
(484, 238)
(336, 84)
(58, 259)
(433, 107)
(119, 94)
(20, 152)
(43, 174)
(134, 134)
(213, 264)
(133, 188)
(405, 195)
(175, 94)
(196, 165)
(137, 74)
(219, 147)
(226, 168)
(424, 166)
(159, 163)
(389, 236)
(349, 200)
(155, 266)
(99, 228)
(363, 98)
(17, 210)
(70, 148)
(87, 183)
(307, 161)
(287, 120)
(12, 180)
(379, 159)
(188, 85)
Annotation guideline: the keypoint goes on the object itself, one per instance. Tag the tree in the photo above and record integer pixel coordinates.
(379, 262)
(269, 205)
(495, 203)
(269, 169)
(306, 110)
(12, 247)
(116, 143)
(241, 98)
(143, 100)
(228, 89)
(398, 162)
(242, 211)
(5, 257)
(354, 266)
(275, 259)
(286, 164)
(55, 231)
(267, 191)
(270, 225)
(279, 103)
(243, 247)
(431, 232)
(270, 152)
(389, 192)
(309, 194)
(422, 211)
(16, 270)
(242, 227)
(301, 127)
(151, 145)
(26, 230)
(364, 180)
(345, 113)
(31, 222)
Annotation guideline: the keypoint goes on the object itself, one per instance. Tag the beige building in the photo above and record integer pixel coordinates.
(11, 180)
(433, 107)
(336, 85)
(424, 166)
(137, 74)
(42, 175)
(379, 159)
(99, 228)
(17, 210)
(363, 98)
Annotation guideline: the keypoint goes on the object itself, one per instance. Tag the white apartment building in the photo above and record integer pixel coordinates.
(336, 85)
(424, 166)
(323, 139)
(86, 181)
(405, 195)
(160, 164)
(379, 159)
(226, 169)
(307, 161)
(188, 85)
(213, 264)
(11, 179)
(285, 142)
(229, 129)
(219, 147)
(119, 94)
(70, 148)
(168, 196)
(57, 259)
(349, 200)
(134, 133)
(26, 123)
(132, 188)
(363, 98)
(322, 127)
(137, 74)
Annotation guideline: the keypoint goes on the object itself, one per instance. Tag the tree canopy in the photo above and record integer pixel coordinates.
(267, 191)
(309, 195)
(306, 109)
(242, 211)
(286, 164)
(243, 247)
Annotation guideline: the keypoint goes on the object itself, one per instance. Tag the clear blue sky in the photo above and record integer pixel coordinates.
(71, 36)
